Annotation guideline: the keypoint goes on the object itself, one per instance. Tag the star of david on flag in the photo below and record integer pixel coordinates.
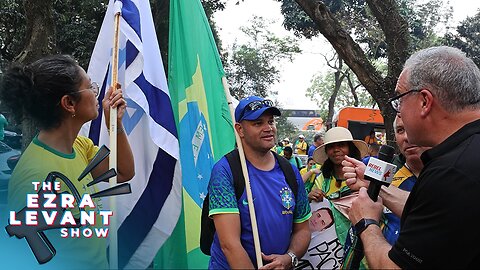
(148, 216)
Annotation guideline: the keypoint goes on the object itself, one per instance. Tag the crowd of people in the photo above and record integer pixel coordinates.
(299, 150)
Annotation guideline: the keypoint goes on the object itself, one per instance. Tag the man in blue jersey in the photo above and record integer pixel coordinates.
(281, 216)
(317, 141)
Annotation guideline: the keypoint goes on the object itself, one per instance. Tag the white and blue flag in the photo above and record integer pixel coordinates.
(148, 216)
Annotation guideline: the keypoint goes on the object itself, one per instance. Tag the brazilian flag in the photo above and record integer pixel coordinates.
(202, 115)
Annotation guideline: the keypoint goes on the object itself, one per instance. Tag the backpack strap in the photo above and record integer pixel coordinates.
(287, 169)
(207, 228)
(207, 225)
(233, 159)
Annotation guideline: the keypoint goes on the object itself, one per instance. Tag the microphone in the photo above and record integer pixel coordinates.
(380, 171)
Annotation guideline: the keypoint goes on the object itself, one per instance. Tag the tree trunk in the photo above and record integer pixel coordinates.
(160, 14)
(39, 42)
(397, 37)
(353, 89)
(331, 102)
(338, 82)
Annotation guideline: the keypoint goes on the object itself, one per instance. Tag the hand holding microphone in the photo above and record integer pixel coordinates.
(365, 212)
(353, 171)
(378, 171)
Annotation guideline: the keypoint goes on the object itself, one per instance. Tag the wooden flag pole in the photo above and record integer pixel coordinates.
(113, 140)
(243, 163)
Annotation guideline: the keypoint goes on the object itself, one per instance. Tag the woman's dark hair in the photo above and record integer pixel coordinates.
(327, 167)
(35, 90)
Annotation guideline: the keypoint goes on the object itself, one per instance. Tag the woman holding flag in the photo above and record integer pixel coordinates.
(58, 95)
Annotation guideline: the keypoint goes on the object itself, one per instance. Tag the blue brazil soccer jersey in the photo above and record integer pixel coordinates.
(275, 207)
(403, 179)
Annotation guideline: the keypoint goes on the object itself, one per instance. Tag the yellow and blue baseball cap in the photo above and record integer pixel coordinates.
(251, 108)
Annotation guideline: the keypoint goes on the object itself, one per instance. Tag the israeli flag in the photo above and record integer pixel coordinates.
(148, 216)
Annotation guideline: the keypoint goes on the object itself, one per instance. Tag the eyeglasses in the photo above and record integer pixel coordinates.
(255, 105)
(93, 87)
(395, 102)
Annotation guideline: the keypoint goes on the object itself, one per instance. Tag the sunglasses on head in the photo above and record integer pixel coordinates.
(256, 105)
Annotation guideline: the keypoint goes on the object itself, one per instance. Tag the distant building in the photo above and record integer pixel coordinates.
(306, 120)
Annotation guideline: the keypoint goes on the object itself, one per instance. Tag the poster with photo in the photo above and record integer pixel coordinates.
(325, 250)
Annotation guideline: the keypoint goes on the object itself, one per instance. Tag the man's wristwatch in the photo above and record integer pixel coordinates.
(363, 224)
(294, 258)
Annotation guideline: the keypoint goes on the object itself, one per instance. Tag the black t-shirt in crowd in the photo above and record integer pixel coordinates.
(439, 225)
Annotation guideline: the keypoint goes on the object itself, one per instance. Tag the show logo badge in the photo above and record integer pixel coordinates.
(48, 209)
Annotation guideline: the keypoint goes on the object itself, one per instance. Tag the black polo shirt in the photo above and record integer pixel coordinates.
(439, 225)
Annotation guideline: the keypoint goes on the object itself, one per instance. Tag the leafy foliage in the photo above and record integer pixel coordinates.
(252, 67)
(285, 128)
(364, 30)
(467, 37)
(321, 90)
(12, 26)
(423, 18)
(77, 24)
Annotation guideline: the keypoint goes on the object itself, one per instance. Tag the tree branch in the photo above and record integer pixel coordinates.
(343, 44)
(395, 28)
(397, 36)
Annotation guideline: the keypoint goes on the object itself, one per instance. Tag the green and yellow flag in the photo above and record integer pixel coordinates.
(204, 124)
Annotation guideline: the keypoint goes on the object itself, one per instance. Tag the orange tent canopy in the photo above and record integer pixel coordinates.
(316, 123)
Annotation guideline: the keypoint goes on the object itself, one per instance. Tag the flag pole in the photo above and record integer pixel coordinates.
(241, 153)
(113, 139)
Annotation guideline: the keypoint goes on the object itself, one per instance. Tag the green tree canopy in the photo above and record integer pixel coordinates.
(357, 17)
(285, 128)
(467, 37)
(12, 30)
(321, 89)
(363, 30)
(77, 24)
(252, 66)
(31, 29)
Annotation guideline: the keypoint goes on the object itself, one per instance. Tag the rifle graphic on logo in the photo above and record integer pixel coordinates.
(41, 247)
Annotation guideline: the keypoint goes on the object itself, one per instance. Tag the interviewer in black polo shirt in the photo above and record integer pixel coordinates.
(438, 98)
